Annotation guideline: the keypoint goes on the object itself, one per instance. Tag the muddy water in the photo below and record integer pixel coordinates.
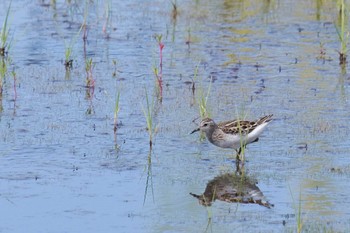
(62, 170)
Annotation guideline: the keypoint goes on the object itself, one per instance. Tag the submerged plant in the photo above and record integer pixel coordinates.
(4, 34)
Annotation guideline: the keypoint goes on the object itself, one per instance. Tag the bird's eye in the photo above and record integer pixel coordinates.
(205, 125)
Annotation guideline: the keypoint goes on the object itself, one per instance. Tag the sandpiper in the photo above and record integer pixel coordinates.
(235, 134)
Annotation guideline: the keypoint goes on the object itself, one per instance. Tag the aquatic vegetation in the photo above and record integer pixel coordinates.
(152, 130)
(68, 61)
(159, 72)
(89, 66)
(202, 96)
(194, 79)
(175, 10)
(189, 38)
(4, 63)
(84, 26)
(203, 101)
(159, 85)
(342, 33)
(14, 85)
(116, 111)
(161, 46)
(108, 16)
(3, 70)
(4, 34)
(298, 211)
(148, 112)
(90, 84)
(114, 74)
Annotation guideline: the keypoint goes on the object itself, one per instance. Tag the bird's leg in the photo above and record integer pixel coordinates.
(237, 155)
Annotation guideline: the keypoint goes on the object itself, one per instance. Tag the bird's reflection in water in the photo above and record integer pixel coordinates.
(233, 188)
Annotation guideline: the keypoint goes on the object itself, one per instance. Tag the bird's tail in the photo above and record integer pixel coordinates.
(264, 119)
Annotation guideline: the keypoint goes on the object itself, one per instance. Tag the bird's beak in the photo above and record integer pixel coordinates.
(194, 131)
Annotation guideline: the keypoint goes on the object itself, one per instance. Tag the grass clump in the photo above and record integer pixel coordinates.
(68, 61)
(341, 31)
(148, 112)
(4, 34)
(89, 66)
(203, 101)
(298, 212)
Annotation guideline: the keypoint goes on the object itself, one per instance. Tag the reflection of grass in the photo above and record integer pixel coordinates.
(3, 71)
(14, 84)
(210, 213)
(149, 180)
(210, 218)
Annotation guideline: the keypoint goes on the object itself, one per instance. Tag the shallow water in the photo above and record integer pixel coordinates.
(63, 170)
